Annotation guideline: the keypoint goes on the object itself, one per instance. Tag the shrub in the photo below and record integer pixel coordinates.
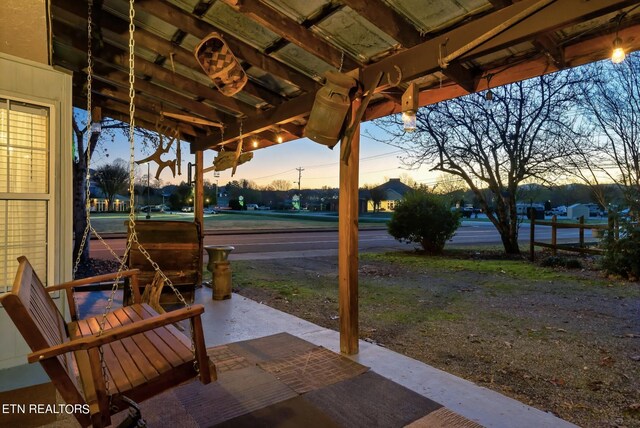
(557, 261)
(423, 218)
(622, 255)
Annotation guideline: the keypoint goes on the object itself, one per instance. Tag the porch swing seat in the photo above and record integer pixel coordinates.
(143, 353)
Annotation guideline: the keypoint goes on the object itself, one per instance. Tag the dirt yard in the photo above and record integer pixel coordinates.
(566, 342)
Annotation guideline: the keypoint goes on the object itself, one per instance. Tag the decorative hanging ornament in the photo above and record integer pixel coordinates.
(220, 64)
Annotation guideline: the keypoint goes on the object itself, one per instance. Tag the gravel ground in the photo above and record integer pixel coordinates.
(566, 342)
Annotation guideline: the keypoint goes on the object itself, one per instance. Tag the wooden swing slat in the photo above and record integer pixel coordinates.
(143, 353)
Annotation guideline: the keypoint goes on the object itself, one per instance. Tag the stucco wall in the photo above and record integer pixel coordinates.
(23, 29)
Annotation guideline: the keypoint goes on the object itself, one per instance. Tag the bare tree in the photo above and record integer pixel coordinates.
(112, 179)
(279, 185)
(610, 101)
(497, 144)
(86, 141)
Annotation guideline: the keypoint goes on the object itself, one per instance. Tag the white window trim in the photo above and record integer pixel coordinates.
(50, 195)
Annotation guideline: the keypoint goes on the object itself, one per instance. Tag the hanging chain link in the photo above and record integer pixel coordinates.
(341, 61)
(89, 229)
(133, 236)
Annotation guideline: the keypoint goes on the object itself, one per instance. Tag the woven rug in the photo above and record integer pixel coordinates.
(284, 381)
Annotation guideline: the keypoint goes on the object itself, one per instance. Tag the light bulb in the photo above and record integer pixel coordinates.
(255, 143)
(618, 55)
(279, 138)
(409, 120)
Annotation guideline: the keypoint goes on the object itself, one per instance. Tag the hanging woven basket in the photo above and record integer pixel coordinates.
(220, 64)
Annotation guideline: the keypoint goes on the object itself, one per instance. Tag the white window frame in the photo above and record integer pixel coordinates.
(50, 195)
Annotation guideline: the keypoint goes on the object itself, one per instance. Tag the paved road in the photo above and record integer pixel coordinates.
(318, 243)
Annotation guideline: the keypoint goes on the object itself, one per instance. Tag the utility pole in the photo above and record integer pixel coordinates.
(299, 169)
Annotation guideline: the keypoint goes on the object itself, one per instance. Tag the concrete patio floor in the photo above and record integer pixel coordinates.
(239, 318)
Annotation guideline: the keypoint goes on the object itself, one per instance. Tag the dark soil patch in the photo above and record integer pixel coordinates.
(95, 267)
(563, 340)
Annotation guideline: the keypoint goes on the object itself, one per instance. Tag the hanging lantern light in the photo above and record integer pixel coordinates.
(410, 107)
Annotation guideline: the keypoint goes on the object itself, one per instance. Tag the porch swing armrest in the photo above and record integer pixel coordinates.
(94, 279)
(118, 333)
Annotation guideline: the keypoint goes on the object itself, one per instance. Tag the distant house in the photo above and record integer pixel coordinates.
(98, 199)
(386, 196)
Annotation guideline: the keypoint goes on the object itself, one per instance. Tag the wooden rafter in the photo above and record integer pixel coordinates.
(423, 59)
(162, 47)
(290, 30)
(387, 20)
(550, 45)
(118, 57)
(461, 75)
(578, 54)
(198, 28)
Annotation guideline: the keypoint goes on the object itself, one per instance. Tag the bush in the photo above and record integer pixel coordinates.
(423, 218)
(622, 255)
(556, 261)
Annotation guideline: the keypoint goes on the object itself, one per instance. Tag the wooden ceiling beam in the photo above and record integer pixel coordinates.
(162, 47)
(120, 111)
(145, 89)
(295, 33)
(581, 53)
(114, 55)
(499, 4)
(387, 20)
(141, 102)
(200, 29)
(296, 108)
(423, 59)
(462, 76)
(549, 44)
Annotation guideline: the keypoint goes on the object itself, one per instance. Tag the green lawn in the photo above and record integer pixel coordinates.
(111, 222)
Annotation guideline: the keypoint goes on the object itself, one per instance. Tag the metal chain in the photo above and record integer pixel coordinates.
(89, 229)
(87, 205)
(133, 236)
(341, 61)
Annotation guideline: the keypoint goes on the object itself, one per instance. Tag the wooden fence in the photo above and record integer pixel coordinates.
(579, 247)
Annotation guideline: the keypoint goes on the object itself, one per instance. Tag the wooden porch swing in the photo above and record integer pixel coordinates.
(137, 355)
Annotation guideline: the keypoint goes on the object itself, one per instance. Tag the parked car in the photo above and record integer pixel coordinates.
(187, 209)
(263, 208)
(209, 211)
(252, 206)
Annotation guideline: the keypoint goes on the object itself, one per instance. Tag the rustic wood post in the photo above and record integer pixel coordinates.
(532, 237)
(610, 224)
(554, 235)
(581, 231)
(348, 242)
(198, 215)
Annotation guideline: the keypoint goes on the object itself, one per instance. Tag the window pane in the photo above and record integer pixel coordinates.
(23, 231)
(24, 149)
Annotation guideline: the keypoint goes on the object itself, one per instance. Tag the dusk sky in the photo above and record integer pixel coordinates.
(378, 162)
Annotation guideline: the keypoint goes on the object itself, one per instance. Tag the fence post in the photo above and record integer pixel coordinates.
(581, 231)
(610, 224)
(532, 236)
(554, 235)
